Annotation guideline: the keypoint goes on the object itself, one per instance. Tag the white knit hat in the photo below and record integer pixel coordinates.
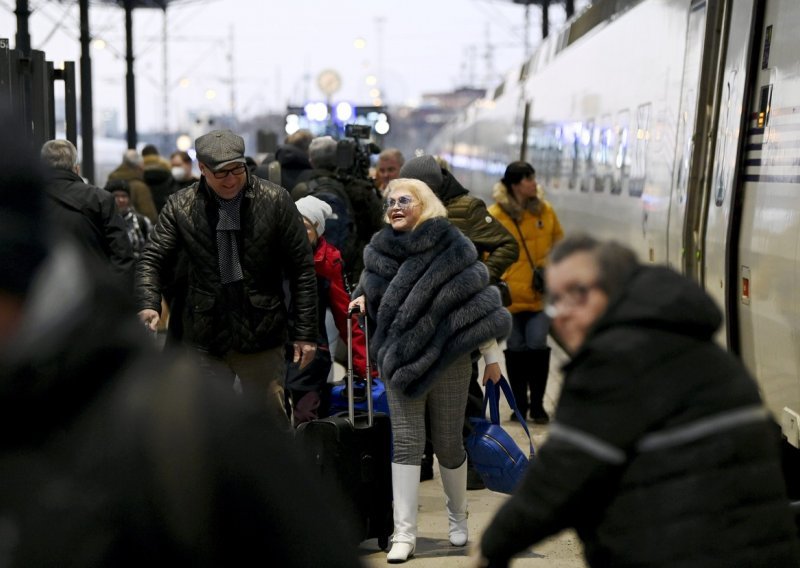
(315, 210)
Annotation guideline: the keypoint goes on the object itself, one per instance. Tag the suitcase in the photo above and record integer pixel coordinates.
(351, 451)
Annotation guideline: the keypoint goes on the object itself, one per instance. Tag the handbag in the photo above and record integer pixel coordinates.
(492, 451)
(537, 281)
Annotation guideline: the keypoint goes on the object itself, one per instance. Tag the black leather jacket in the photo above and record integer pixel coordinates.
(248, 316)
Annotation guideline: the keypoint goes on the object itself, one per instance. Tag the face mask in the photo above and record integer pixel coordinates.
(178, 173)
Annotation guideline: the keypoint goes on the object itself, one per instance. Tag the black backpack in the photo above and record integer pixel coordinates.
(340, 230)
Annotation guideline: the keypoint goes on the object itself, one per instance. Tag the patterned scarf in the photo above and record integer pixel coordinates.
(230, 269)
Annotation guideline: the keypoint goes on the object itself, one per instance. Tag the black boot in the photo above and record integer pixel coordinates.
(516, 362)
(539, 371)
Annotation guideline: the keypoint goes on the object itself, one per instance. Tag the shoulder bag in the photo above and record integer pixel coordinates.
(493, 452)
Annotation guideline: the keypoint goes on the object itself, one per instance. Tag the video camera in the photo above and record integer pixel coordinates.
(352, 157)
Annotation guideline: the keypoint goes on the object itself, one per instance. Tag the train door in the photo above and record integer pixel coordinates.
(722, 219)
(766, 266)
(684, 144)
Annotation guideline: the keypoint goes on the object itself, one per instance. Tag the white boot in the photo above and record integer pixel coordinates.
(454, 482)
(405, 492)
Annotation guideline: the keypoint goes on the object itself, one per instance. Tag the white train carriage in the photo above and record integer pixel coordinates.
(672, 126)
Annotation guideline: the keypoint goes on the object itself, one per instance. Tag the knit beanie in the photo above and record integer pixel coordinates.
(425, 169)
(22, 227)
(315, 210)
(113, 185)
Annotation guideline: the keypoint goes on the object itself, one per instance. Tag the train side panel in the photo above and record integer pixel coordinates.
(769, 247)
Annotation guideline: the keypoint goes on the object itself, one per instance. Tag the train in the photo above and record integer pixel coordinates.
(672, 126)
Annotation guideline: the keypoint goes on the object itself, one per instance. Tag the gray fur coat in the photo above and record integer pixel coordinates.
(429, 300)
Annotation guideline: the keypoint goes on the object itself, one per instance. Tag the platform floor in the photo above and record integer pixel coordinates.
(433, 547)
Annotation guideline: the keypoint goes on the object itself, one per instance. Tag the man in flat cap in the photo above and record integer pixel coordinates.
(243, 237)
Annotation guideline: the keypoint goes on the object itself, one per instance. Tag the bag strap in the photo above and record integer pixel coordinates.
(491, 398)
(524, 246)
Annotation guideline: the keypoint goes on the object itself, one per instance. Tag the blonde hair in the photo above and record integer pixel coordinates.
(430, 205)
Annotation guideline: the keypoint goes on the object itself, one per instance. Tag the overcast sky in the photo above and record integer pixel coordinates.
(273, 52)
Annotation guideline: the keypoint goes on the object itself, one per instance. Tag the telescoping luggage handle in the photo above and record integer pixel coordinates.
(351, 403)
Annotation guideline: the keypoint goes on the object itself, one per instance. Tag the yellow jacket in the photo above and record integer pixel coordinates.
(541, 230)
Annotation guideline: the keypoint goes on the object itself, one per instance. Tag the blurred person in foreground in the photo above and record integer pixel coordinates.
(661, 452)
(429, 299)
(242, 237)
(113, 455)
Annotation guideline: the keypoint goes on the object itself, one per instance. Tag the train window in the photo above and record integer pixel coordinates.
(498, 92)
(622, 159)
(640, 142)
(767, 45)
(764, 105)
(586, 167)
(523, 72)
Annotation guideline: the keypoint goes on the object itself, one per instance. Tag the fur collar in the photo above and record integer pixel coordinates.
(428, 296)
(502, 195)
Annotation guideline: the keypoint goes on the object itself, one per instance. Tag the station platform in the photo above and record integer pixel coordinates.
(433, 547)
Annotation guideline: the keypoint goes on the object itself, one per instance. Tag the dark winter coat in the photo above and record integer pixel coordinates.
(496, 246)
(294, 162)
(661, 453)
(247, 316)
(113, 455)
(430, 301)
(161, 184)
(90, 215)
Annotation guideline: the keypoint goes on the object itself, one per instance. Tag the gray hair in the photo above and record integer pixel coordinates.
(132, 158)
(322, 152)
(60, 154)
(616, 263)
(392, 154)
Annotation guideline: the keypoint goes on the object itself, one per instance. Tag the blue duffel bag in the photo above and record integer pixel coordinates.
(493, 452)
(379, 401)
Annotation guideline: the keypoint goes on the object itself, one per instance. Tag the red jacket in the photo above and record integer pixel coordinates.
(329, 267)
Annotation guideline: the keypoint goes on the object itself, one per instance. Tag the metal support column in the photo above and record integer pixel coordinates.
(87, 121)
(545, 18)
(130, 84)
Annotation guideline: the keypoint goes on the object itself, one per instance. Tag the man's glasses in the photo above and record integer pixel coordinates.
(574, 296)
(238, 170)
(403, 202)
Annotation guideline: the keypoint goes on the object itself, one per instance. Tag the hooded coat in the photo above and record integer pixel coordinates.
(540, 230)
(114, 455)
(429, 298)
(496, 246)
(661, 453)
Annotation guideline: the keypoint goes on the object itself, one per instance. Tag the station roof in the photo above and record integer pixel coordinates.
(160, 4)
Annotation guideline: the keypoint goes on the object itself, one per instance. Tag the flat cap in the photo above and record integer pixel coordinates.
(219, 148)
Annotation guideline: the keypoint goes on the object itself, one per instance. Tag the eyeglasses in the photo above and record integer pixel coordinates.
(574, 296)
(403, 202)
(238, 170)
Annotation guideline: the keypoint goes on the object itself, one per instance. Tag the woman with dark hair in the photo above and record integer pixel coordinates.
(521, 208)
(427, 296)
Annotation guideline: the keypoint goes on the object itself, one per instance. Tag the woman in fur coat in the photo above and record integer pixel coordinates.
(428, 299)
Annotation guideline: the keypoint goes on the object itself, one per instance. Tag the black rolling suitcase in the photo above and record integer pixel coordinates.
(352, 453)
